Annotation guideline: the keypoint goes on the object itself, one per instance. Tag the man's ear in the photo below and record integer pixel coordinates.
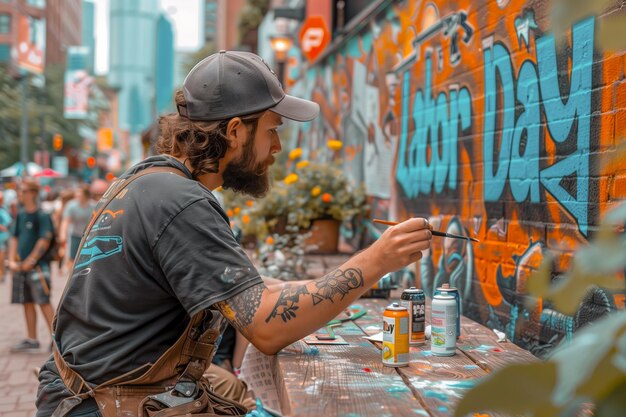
(236, 132)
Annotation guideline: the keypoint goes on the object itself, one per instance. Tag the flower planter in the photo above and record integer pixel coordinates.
(324, 236)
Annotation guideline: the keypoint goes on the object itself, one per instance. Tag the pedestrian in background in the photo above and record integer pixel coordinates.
(75, 218)
(5, 224)
(161, 269)
(31, 237)
(97, 189)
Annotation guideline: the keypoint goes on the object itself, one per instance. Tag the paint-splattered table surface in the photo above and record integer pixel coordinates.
(350, 380)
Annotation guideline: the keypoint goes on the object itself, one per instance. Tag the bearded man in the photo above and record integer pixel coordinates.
(159, 271)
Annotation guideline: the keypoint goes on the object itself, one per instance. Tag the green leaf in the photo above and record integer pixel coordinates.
(596, 264)
(535, 380)
(611, 34)
(614, 404)
(586, 366)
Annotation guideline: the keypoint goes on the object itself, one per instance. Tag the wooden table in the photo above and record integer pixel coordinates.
(350, 380)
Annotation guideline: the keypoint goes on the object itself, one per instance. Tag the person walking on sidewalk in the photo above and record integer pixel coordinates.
(75, 218)
(31, 237)
(161, 268)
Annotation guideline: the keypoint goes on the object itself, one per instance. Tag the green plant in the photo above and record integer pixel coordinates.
(320, 190)
(589, 369)
(303, 192)
(282, 256)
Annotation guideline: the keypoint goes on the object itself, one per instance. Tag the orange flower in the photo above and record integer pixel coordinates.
(315, 191)
(249, 203)
(302, 164)
(269, 240)
(334, 144)
(295, 153)
(290, 179)
(245, 219)
(230, 213)
(327, 198)
(237, 210)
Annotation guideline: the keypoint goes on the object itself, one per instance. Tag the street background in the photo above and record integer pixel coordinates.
(19, 384)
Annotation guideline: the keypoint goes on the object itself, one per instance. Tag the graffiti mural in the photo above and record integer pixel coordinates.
(492, 127)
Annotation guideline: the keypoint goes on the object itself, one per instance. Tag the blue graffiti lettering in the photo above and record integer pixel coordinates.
(518, 157)
(436, 128)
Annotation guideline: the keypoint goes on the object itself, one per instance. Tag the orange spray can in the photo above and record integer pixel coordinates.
(395, 336)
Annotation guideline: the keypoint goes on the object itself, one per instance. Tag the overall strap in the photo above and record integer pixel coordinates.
(107, 198)
(72, 380)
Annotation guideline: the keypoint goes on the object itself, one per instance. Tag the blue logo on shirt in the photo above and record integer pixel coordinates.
(99, 247)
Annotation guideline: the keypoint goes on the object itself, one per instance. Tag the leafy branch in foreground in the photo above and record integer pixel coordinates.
(589, 369)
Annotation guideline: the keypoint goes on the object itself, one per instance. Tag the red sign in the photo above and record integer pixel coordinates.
(314, 37)
(31, 44)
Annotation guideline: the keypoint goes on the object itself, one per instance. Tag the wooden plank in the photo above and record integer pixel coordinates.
(342, 380)
(482, 346)
(372, 322)
(351, 380)
(439, 382)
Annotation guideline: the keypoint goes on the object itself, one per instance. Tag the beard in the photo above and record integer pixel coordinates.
(245, 175)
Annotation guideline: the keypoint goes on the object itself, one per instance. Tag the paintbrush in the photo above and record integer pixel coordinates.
(434, 232)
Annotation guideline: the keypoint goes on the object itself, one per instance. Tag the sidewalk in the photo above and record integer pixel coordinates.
(19, 384)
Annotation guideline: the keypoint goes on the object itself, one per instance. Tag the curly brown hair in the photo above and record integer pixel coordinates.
(202, 143)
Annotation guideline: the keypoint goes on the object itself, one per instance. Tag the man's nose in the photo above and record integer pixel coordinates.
(276, 147)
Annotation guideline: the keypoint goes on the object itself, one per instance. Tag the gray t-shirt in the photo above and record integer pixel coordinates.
(159, 253)
(78, 216)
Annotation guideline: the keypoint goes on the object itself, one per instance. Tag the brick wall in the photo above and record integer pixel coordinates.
(475, 114)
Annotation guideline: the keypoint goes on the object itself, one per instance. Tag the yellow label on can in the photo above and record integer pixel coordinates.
(395, 341)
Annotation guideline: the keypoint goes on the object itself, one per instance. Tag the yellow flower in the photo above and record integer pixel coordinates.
(295, 153)
(290, 179)
(237, 210)
(302, 164)
(334, 144)
(315, 191)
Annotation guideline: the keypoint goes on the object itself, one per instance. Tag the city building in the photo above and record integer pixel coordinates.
(17, 19)
(63, 27)
(228, 12)
(132, 65)
(51, 27)
(164, 71)
(89, 33)
(210, 20)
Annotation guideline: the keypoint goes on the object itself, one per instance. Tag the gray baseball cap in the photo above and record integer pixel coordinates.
(233, 83)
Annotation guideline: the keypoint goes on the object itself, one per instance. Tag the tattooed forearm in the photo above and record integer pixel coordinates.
(337, 282)
(241, 308)
(286, 305)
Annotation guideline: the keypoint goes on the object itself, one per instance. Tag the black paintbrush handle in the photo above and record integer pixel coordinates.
(444, 234)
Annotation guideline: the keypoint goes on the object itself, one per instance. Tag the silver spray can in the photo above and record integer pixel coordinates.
(457, 296)
(443, 325)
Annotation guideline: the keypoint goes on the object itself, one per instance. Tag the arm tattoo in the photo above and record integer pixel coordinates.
(337, 282)
(241, 308)
(286, 303)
